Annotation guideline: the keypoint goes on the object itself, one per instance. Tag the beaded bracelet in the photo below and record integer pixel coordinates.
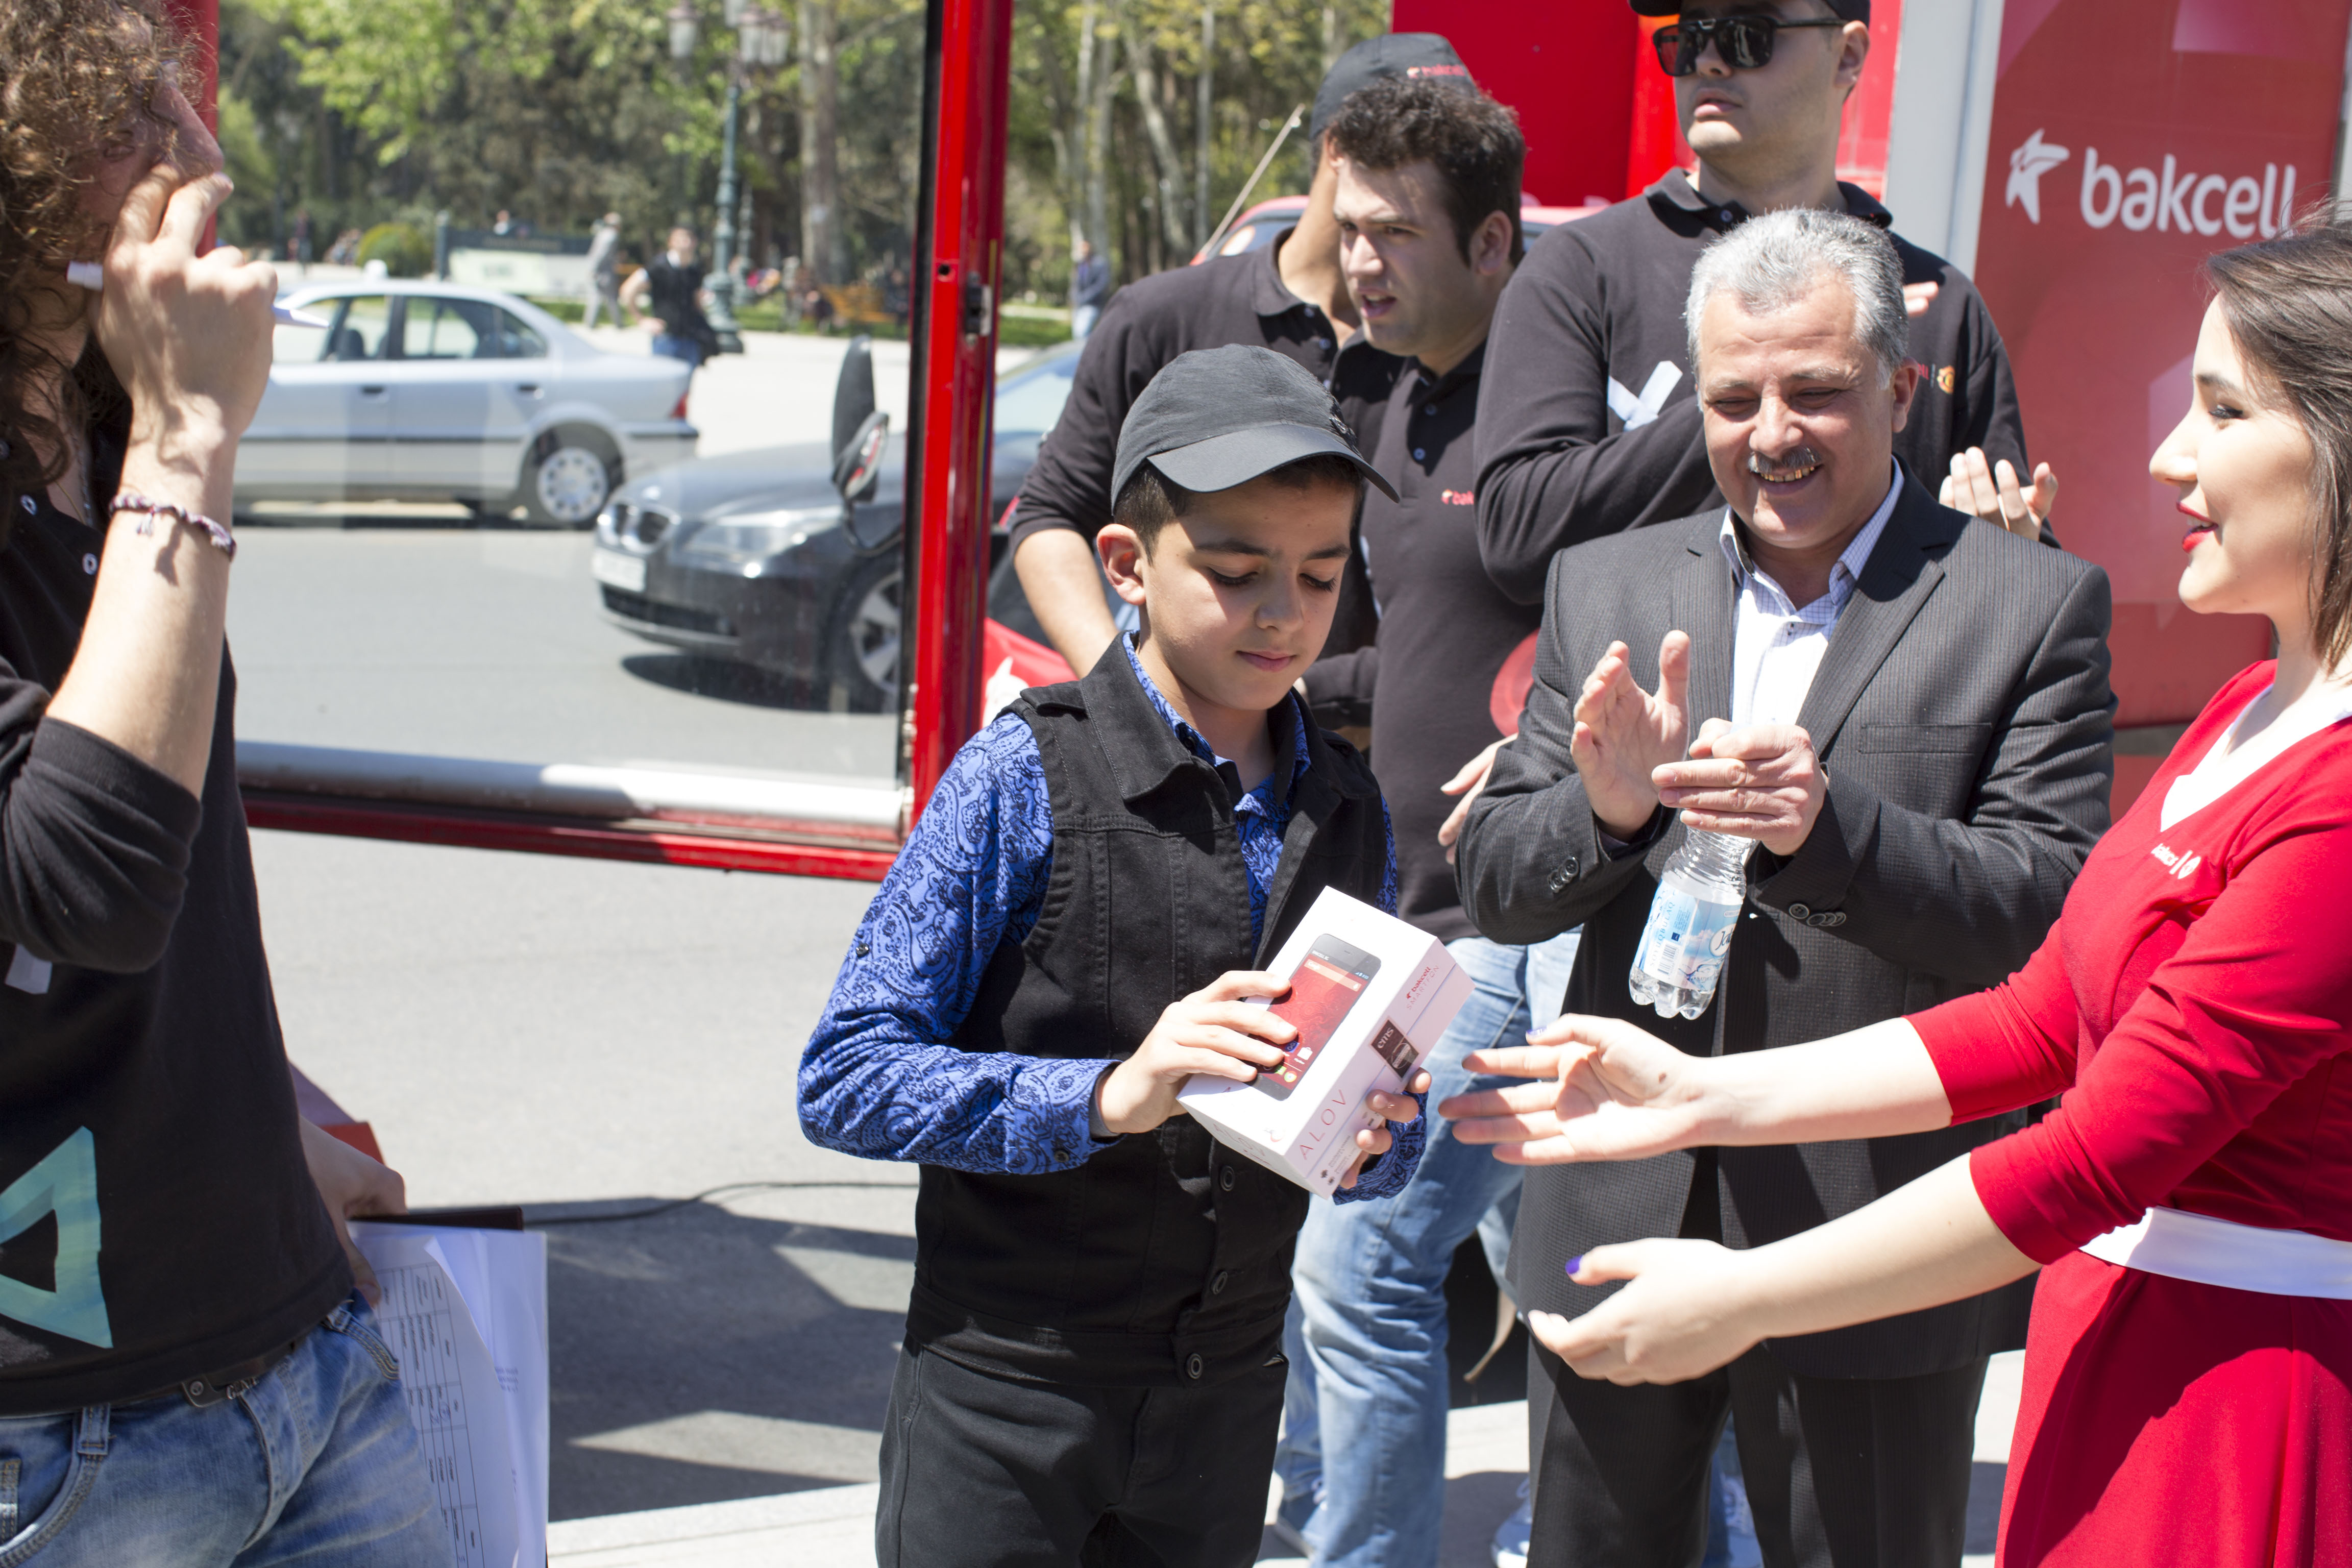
(149, 510)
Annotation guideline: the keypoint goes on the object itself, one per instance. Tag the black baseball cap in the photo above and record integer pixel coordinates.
(1215, 418)
(1390, 54)
(1852, 10)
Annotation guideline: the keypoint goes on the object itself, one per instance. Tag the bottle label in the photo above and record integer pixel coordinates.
(1686, 939)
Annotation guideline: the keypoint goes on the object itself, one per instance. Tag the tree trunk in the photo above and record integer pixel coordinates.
(1064, 126)
(1332, 46)
(1166, 203)
(821, 237)
(1100, 81)
(1204, 119)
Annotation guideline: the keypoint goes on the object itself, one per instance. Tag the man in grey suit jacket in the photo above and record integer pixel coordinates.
(1907, 711)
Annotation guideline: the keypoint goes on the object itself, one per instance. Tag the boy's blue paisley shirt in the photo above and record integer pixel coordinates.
(880, 1077)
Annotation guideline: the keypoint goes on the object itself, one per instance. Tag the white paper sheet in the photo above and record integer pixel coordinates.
(466, 1310)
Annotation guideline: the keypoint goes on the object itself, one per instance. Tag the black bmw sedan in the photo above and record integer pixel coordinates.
(786, 558)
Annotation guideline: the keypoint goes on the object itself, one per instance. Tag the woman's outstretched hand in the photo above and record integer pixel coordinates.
(1603, 1091)
(1686, 1310)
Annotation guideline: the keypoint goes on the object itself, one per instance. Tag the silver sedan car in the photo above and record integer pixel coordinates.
(424, 391)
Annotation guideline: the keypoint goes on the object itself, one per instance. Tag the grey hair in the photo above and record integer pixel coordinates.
(1775, 260)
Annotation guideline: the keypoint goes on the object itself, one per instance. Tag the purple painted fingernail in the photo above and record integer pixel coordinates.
(1574, 1264)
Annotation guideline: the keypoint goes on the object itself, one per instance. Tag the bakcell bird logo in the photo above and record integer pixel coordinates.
(2033, 158)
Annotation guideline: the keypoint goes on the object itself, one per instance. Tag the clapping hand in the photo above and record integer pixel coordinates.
(1602, 1089)
(1759, 781)
(1623, 734)
(1994, 493)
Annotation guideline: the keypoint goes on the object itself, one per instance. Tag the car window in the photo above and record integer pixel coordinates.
(447, 329)
(362, 324)
(298, 345)
(518, 339)
(1031, 399)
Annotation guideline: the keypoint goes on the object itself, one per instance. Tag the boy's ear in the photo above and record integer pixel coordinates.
(1121, 549)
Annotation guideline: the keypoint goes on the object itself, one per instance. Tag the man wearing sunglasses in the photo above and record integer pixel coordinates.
(1587, 421)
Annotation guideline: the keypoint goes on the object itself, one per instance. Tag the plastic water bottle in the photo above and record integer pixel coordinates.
(1691, 920)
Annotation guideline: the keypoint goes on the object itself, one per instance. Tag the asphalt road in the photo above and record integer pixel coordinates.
(590, 1036)
(409, 628)
(393, 636)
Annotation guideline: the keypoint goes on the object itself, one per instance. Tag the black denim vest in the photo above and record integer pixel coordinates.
(1162, 1259)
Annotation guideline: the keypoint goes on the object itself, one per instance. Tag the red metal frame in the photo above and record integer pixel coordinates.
(956, 363)
(558, 835)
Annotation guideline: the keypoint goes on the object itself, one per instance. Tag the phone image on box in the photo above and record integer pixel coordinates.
(1334, 975)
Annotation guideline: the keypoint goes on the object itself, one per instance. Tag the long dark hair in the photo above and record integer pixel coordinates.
(78, 73)
(2288, 304)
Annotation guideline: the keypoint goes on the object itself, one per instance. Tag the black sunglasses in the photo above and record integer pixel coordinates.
(1744, 42)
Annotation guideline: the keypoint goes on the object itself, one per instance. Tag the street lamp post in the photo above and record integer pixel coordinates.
(760, 39)
(721, 280)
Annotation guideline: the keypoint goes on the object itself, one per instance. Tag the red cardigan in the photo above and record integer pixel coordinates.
(2194, 1003)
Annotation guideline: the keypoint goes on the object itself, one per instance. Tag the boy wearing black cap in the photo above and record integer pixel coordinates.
(1290, 297)
(1092, 1358)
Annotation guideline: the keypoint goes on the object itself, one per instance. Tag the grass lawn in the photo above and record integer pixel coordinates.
(1019, 327)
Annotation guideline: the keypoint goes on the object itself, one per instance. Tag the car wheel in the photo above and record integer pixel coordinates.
(569, 478)
(862, 658)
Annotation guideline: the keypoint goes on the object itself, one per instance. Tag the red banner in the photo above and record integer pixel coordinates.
(2130, 139)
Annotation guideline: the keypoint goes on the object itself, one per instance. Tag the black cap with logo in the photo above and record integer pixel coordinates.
(1390, 54)
(1852, 10)
(1215, 418)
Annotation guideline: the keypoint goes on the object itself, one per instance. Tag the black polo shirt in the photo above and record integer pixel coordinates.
(1589, 421)
(1444, 631)
(1230, 300)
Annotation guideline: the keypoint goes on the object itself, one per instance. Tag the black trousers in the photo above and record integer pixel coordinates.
(986, 1472)
(1840, 1472)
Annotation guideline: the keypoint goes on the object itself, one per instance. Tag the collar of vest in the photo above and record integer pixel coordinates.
(1154, 756)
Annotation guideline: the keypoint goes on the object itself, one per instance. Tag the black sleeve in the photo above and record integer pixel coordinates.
(1339, 686)
(1069, 487)
(94, 844)
(1994, 420)
(1550, 473)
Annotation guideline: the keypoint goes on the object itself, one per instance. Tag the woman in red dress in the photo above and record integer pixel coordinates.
(2187, 1390)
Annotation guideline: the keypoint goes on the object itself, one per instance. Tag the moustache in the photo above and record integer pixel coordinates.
(1799, 458)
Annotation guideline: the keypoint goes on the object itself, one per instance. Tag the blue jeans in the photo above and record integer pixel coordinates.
(1367, 1342)
(669, 346)
(316, 1464)
(1081, 320)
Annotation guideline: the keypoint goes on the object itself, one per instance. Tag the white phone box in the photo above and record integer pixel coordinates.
(1371, 995)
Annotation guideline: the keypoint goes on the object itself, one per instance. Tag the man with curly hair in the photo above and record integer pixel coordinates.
(187, 1373)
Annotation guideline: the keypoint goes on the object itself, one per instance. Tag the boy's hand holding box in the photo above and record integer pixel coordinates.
(1368, 994)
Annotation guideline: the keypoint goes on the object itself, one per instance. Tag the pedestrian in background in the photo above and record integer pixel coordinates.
(605, 272)
(1898, 718)
(1090, 286)
(670, 290)
(188, 1371)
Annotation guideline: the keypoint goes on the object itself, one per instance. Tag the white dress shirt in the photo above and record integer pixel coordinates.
(1777, 646)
